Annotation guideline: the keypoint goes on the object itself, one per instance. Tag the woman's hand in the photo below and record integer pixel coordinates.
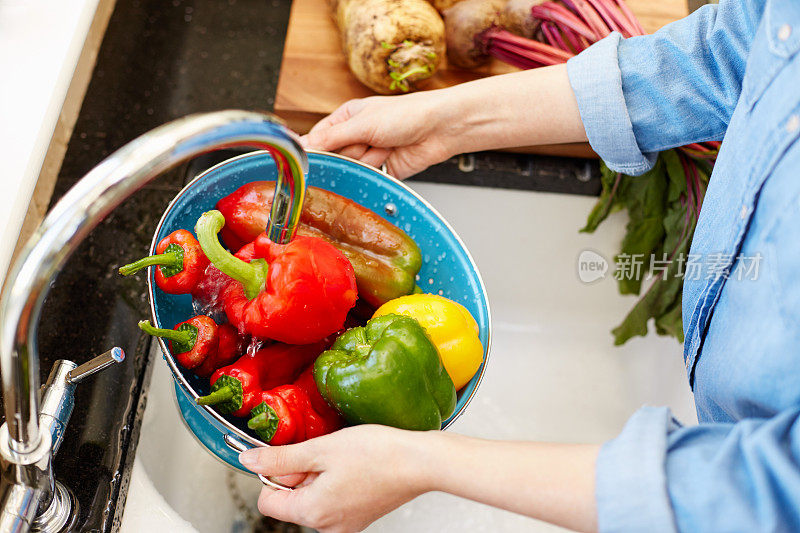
(355, 476)
(348, 479)
(409, 133)
(413, 131)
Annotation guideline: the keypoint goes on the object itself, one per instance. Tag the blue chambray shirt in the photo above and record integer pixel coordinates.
(728, 72)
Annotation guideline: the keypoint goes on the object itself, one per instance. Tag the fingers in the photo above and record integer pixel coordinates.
(279, 460)
(397, 166)
(342, 113)
(375, 156)
(288, 506)
(355, 151)
(281, 505)
(339, 129)
(366, 154)
(291, 480)
(338, 136)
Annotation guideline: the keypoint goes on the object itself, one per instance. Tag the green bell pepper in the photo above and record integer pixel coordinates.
(387, 372)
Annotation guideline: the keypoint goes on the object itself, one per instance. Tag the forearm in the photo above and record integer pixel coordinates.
(526, 108)
(550, 482)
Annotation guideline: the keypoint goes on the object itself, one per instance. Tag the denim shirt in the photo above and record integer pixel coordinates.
(732, 72)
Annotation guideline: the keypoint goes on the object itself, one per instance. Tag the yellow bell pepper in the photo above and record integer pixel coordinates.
(450, 327)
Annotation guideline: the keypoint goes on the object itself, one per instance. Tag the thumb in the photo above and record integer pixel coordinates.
(279, 460)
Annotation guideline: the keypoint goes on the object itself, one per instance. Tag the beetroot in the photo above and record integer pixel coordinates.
(517, 18)
(464, 23)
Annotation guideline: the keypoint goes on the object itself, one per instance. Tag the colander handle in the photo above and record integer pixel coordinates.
(239, 446)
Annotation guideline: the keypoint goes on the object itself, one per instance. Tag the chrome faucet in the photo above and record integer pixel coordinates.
(30, 498)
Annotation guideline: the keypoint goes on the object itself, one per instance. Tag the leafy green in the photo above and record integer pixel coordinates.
(607, 202)
(662, 209)
(645, 201)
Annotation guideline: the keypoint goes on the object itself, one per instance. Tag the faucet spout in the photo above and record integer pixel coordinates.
(70, 221)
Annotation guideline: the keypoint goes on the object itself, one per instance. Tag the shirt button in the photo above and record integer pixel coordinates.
(743, 212)
(784, 32)
(793, 124)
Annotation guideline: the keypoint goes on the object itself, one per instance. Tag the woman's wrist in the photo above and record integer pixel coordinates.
(425, 453)
(551, 482)
(447, 117)
(524, 108)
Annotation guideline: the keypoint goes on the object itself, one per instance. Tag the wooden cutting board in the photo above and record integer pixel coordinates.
(315, 80)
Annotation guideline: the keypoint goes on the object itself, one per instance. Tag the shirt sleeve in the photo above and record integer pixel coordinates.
(680, 85)
(659, 476)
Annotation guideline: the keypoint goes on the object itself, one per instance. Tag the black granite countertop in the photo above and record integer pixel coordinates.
(160, 60)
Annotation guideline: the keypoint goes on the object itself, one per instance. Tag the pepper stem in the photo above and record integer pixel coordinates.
(169, 259)
(223, 394)
(264, 421)
(259, 421)
(179, 336)
(251, 275)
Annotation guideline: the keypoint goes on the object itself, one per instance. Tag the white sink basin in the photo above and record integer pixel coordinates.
(554, 373)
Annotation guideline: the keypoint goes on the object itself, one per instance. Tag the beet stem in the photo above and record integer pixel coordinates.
(497, 36)
(574, 40)
(606, 15)
(594, 21)
(560, 15)
(554, 36)
(630, 16)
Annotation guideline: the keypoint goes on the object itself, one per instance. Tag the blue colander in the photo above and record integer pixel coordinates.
(447, 269)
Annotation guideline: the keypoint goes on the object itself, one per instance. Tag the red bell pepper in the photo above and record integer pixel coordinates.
(293, 413)
(191, 342)
(331, 418)
(384, 258)
(229, 349)
(284, 416)
(209, 291)
(180, 262)
(297, 293)
(235, 388)
(275, 419)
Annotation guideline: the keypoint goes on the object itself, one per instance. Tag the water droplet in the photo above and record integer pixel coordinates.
(441, 292)
(416, 277)
(430, 281)
(390, 209)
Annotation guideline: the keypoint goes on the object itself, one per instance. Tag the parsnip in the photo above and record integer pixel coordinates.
(390, 45)
(441, 5)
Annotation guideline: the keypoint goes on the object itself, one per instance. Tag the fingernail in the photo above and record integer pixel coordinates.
(249, 458)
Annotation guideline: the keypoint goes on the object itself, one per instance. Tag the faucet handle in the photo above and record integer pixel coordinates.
(104, 360)
(58, 397)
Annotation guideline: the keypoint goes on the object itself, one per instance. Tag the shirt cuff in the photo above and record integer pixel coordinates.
(596, 80)
(631, 486)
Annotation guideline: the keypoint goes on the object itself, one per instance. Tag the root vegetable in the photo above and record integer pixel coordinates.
(464, 23)
(442, 5)
(517, 18)
(390, 45)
